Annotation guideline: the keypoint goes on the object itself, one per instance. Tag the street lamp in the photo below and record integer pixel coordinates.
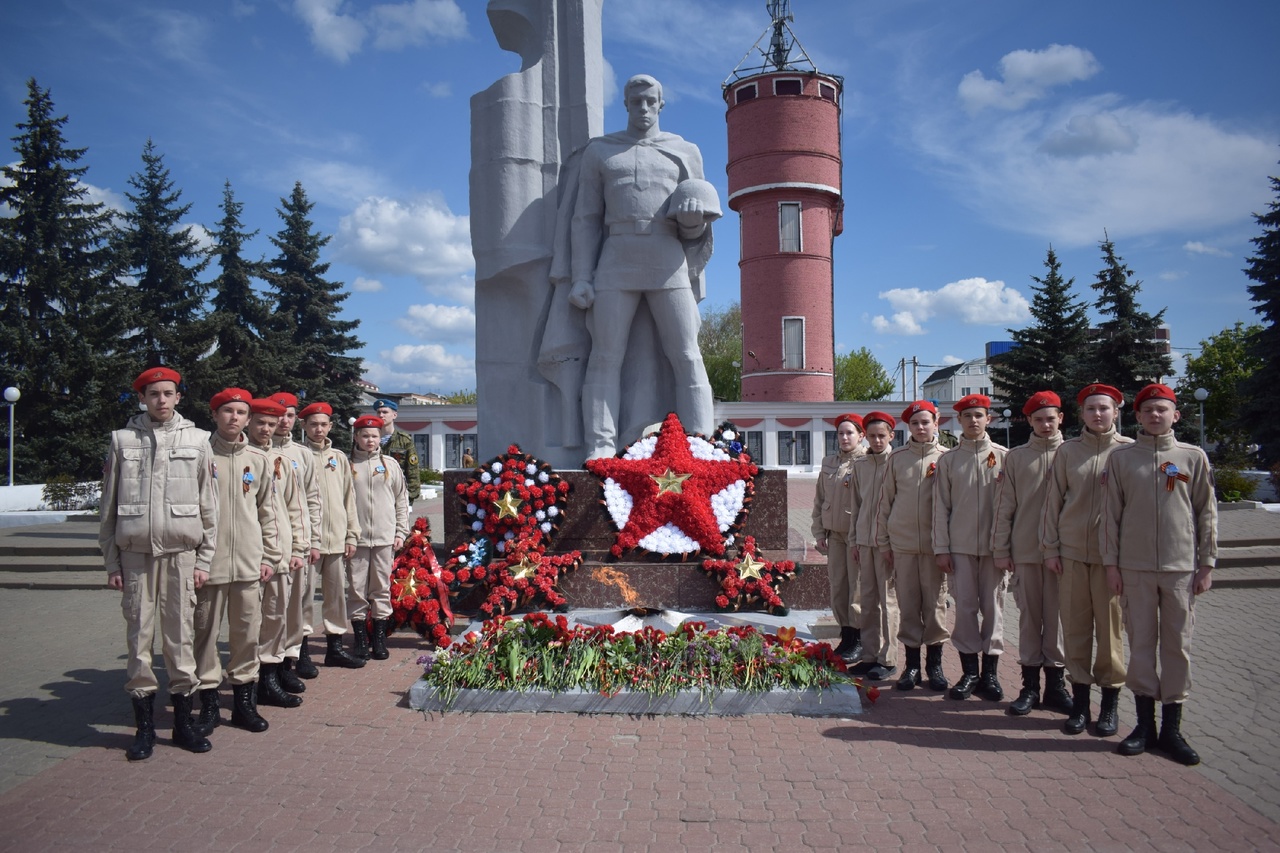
(11, 396)
(1201, 395)
(1007, 414)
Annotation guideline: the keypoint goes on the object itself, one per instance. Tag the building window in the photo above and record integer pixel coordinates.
(966, 391)
(984, 391)
(793, 343)
(745, 93)
(454, 446)
(789, 227)
(830, 445)
(422, 444)
(755, 445)
(788, 87)
(793, 447)
(826, 92)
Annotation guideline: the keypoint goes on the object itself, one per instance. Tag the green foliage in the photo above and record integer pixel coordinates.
(1231, 485)
(62, 492)
(1260, 391)
(1223, 365)
(464, 397)
(431, 475)
(720, 340)
(860, 376)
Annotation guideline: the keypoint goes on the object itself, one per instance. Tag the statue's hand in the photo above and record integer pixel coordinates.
(690, 213)
(582, 294)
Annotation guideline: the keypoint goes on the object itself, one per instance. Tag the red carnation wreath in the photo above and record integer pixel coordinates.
(419, 592)
(749, 582)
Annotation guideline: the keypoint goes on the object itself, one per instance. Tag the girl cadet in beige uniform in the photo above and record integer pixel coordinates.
(832, 517)
(382, 504)
(246, 555)
(1159, 544)
(339, 531)
(158, 529)
(963, 513)
(904, 536)
(1070, 542)
(875, 578)
(1015, 542)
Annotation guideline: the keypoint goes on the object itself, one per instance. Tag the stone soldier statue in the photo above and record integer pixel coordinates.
(399, 446)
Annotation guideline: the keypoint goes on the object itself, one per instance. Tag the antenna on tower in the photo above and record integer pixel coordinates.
(780, 45)
(777, 56)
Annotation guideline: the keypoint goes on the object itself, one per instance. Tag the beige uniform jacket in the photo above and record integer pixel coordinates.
(904, 520)
(288, 507)
(964, 503)
(1020, 491)
(868, 476)
(304, 469)
(1153, 519)
(832, 499)
(1073, 500)
(158, 493)
(339, 525)
(382, 503)
(247, 535)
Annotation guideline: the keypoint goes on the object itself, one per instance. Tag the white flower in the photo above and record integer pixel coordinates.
(668, 539)
(485, 478)
(540, 515)
(528, 482)
(471, 509)
(553, 511)
(531, 469)
(496, 467)
(544, 477)
(728, 435)
(545, 527)
(477, 525)
(726, 504)
(480, 513)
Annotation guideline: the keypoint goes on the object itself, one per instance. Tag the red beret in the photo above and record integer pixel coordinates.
(317, 409)
(266, 407)
(1097, 389)
(871, 417)
(156, 374)
(919, 406)
(368, 422)
(229, 395)
(852, 418)
(1154, 392)
(1041, 400)
(285, 399)
(973, 401)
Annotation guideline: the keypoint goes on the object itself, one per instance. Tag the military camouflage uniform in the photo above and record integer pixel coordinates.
(400, 447)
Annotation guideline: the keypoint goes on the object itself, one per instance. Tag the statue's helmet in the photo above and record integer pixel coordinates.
(697, 188)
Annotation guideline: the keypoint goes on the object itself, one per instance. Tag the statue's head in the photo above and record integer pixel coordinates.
(642, 96)
(638, 82)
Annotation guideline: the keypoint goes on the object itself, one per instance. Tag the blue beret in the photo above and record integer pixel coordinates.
(388, 404)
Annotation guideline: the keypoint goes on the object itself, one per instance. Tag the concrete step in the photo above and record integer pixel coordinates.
(72, 579)
(44, 563)
(1236, 556)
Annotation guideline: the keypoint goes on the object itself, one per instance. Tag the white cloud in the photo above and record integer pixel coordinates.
(1195, 247)
(439, 89)
(972, 301)
(1171, 275)
(902, 323)
(202, 235)
(423, 368)
(367, 285)
(340, 35)
(113, 200)
(951, 360)
(421, 237)
(1026, 76)
(439, 322)
(337, 183)
(1101, 133)
(334, 34)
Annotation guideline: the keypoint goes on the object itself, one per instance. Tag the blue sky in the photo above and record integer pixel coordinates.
(975, 135)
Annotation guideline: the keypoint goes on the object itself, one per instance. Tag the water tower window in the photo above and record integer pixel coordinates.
(793, 343)
(745, 93)
(826, 92)
(788, 87)
(789, 227)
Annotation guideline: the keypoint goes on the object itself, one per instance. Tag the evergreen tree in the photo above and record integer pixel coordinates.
(1261, 392)
(60, 314)
(1049, 351)
(305, 329)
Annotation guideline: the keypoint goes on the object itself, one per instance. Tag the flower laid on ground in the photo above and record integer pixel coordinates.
(677, 494)
(750, 582)
(419, 593)
(542, 653)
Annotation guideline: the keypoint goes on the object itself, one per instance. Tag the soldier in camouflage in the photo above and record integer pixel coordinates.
(399, 446)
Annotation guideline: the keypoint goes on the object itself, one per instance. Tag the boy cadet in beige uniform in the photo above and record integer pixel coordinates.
(289, 507)
(1069, 538)
(300, 610)
(963, 515)
(245, 557)
(339, 531)
(382, 505)
(904, 536)
(157, 534)
(1015, 542)
(879, 597)
(832, 515)
(1159, 544)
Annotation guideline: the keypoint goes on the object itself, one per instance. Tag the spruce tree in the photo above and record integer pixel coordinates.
(60, 316)
(1261, 391)
(305, 329)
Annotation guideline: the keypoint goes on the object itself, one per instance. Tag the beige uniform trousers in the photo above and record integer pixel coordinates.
(1035, 588)
(1090, 609)
(159, 590)
(299, 610)
(370, 582)
(332, 569)
(879, 615)
(241, 601)
(842, 574)
(275, 616)
(922, 600)
(978, 588)
(1159, 613)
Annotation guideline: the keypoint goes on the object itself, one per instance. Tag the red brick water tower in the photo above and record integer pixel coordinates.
(785, 183)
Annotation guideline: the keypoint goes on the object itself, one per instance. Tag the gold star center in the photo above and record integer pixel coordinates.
(670, 481)
(526, 568)
(509, 506)
(749, 567)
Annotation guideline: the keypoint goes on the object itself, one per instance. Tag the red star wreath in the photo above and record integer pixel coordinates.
(750, 582)
(526, 574)
(673, 493)
(419, 593)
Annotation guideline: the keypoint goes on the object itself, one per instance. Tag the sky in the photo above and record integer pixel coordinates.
(976, 135)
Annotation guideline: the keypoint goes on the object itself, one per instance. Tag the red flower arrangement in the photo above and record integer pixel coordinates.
(677, 494)
(749, 581)
(419, 593)
(526, 574)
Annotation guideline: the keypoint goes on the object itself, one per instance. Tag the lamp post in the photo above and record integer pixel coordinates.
(11, 396)
(1007, 414)
(1201, 395)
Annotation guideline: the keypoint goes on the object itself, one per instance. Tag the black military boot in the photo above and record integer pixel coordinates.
(933, 668)
(1056, 697)
(1108, 713)
(336, 655)
(271, 692)
(989, 682)
(845, 646)
(881, 671)
(963, 688)
(379, 644)
(1171, 742)
(855, 653)
(1079, 719)
(1029, 696)
(288, 680)
(209, 718)
(244, 708)
(183, 734)
(1144, 735)
(144, 708)
(304, 667)
(910, 669)
(360, 640)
